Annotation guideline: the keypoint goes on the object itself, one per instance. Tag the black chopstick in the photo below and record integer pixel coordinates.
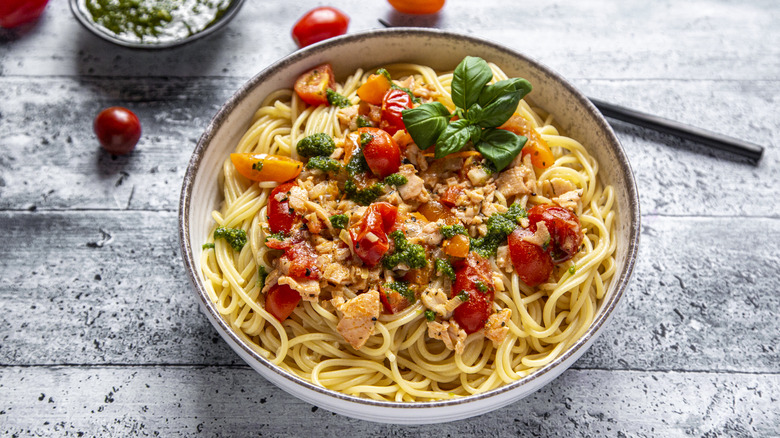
(752, 152)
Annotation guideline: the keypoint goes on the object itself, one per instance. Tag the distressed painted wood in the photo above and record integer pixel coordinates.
(151, 401)
(99, 331)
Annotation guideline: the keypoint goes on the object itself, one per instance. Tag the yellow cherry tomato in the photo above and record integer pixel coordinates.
(541, 154)
(374, 89)
(264, 167)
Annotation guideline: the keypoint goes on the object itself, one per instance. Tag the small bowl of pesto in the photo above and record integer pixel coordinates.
(153, 24)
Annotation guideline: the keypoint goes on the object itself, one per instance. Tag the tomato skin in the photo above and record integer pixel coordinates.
(17, 12)
(280, 218)
(392, 301)
(564, 227)
(319, 24)
(393, 104)
(382, 153)
(303, 261)
(378, 219)
(450, 196)
(281, 300)
(118, 130)
(417, 6)
(275, 168)
(472, 314)
(312, 86)
(532, 263)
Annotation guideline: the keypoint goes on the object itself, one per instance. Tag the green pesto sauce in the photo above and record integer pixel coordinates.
(156, 21)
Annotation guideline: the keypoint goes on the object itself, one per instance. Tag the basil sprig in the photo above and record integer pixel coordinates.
(480, 109)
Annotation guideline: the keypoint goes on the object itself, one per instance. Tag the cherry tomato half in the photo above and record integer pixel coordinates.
(281, 300)
(280, 216)
(302, 261)
(564, 227)
(312, 86)
(417, 6)
(264, 167)
(378, 220)
(17, 12)
(473, 277)
(532, 263)
(393, 104)
(118, 130)
(392, 300)
(320, 24)
(382, 153)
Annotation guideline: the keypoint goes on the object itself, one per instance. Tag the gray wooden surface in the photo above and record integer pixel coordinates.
(100, 333)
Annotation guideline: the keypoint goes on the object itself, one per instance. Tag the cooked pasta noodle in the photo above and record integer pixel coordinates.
(400, 361)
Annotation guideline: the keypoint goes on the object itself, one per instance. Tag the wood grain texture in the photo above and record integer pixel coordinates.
(164, 401)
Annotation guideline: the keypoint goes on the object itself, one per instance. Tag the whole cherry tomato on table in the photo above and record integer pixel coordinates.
(382, 153)
(17, 12)
(118, 130)
(417, 6)
(379, 221)
(312, 86)
(281, 300)
(393, 104)
(320, 24)
(473, 277)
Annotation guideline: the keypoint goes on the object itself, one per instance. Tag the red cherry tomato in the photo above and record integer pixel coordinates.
(379, 220)
(280, 215)
(473, 277)
(382, 152)
(450, 196)
(281, 300)
(532, 263)
(118, 130)
(302, 261)
(319, 24)
(393, 104)
(392, 300)
(564, 227)
(312, 86)
(17, 12)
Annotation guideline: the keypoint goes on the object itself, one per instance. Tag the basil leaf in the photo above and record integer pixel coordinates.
(499, 110)
(474, 114)
(468, 80)
(426, 123)
(454, 137)
(500, 146)
(507, 86)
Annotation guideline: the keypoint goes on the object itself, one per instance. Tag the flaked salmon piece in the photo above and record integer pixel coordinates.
(497, 326)
(540, 237)
(271, 280)
(415, 156)
(569, 200)
(358, 318)
(436, 300)
(414, 189)
(298, 198)
(518, 180)
(562, 192)
(449, 332)
(503, 260)
(309, 289)
(335, 273)
(347, 116)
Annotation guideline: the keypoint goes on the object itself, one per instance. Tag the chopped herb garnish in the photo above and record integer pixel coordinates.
(412, 255)
(499, 226)
(481, 286)
(208, 245)
(337, 99)
(396, 179)
(365, 138)
(463, 296)
(319, 144)
(449, 231)
(257, 165)
(444, 267)
(325, 164)
(357, 164)
(430, 315)
(339, 221)
(365, 196)
(261, 275)
(235, 237)
(364, 122)
(276, 236)
(402, 288)
(572, 269)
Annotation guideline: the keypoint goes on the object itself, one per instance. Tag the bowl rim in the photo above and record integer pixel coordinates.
(192, 265)
(81, 17)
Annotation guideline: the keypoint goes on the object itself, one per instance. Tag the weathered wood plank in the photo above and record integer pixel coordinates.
(603, 39)
(238, 402)
(50, 159)
(104, 287)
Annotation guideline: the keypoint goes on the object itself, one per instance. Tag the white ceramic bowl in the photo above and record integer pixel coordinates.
(443, 51)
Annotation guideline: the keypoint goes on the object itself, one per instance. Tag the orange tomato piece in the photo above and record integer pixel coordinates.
(264, 167)
(417, 6)
(458, 246)
(541, 154)
(374, 89)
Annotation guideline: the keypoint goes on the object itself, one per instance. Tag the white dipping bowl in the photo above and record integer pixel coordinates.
(574, 114)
